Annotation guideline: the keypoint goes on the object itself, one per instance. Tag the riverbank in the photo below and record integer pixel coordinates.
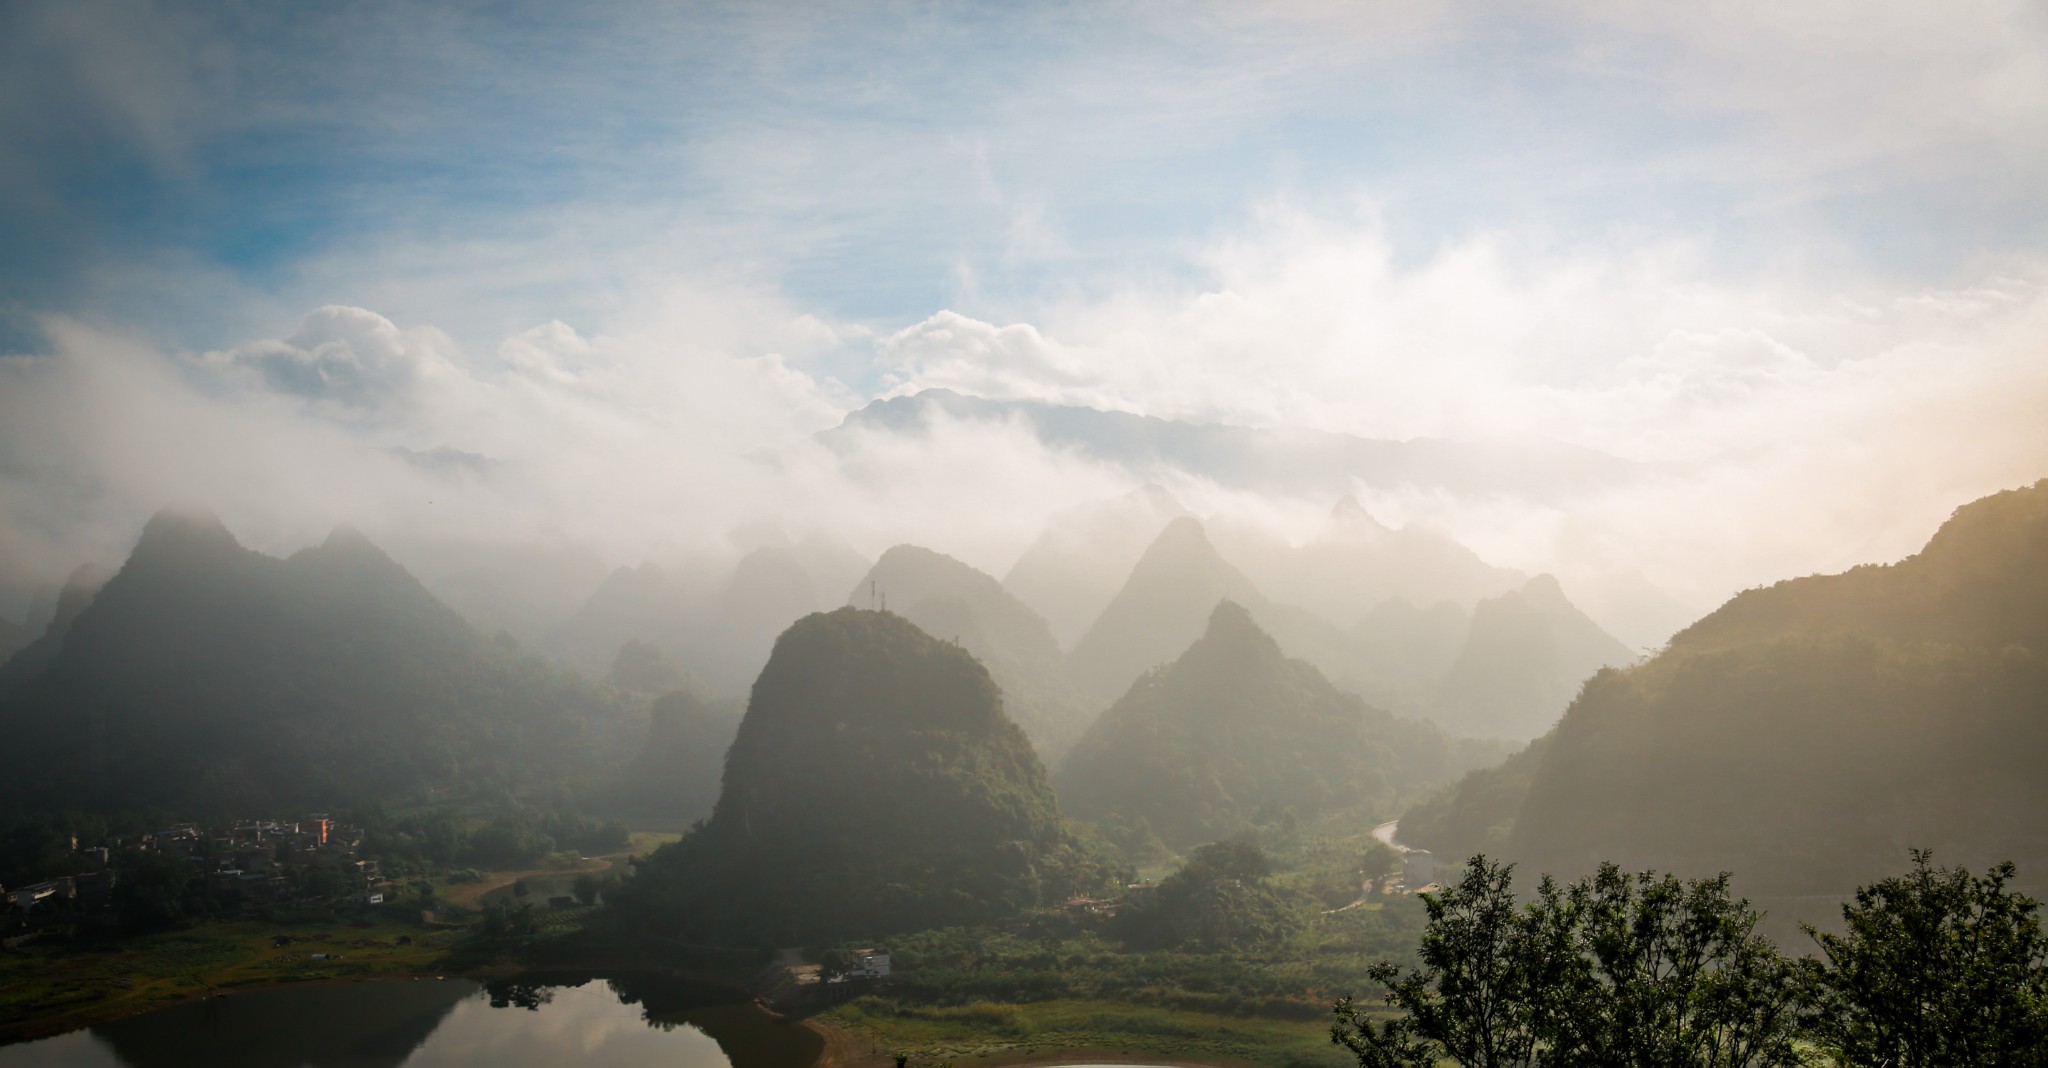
(1070, 1031)
(47, 990)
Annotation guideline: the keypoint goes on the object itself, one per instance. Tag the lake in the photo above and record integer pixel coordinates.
(587, 1021)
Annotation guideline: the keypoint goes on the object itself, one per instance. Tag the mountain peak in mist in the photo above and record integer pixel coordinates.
(1163, 607)
(182, 529)
(1351, 518)
(1084, 554)
(1231, 627)
(1525, 655)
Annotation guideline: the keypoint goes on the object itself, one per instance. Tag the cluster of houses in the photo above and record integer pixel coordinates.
(253, 863)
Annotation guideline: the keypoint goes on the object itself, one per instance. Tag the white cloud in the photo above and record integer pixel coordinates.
(349, 363)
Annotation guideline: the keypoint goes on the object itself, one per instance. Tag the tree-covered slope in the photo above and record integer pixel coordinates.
(875, 785)
(208, 676)
(1804, 736)
(952, 600)
(1234, 730)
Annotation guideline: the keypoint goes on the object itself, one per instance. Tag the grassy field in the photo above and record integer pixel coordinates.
(996, 1033)
(50, 988)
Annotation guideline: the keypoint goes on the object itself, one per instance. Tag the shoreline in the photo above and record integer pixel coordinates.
(839, 1047)
(839, 1052)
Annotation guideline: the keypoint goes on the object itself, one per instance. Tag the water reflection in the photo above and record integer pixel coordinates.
(548, 1020)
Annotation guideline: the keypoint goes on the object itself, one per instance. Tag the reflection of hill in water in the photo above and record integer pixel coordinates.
(343, 1025)
(747, 1034)
(539, 1021)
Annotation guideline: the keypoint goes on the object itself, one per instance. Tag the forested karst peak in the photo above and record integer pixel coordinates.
(875, 784)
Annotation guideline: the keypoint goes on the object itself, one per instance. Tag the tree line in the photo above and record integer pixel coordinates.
(1935, 967)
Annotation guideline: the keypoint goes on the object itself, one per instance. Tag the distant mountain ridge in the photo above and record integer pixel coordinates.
(1506, 670)
(1233, 731)
(206, 674)
(1287, 461)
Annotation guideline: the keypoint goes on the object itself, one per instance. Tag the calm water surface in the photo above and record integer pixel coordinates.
(594, 1023)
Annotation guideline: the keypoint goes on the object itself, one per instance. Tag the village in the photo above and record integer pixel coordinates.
(250, 866)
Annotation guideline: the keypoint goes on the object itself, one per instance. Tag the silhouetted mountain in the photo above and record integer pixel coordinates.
(14, 637)
(1636, 611)
(50, 618)
(953, 601)
(1162, 608)
(647, 603)
(644, 669)
(1404, 652)
(205, 674)
(875, 785)
(1234, 730)
(1084, 554)
(1805, 735)
(719, 629)
(769, 589)
(523, 589)
(1284, 461)
(1525, 655)
(674, 778)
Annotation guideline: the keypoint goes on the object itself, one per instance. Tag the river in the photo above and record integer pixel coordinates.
(430, 1023)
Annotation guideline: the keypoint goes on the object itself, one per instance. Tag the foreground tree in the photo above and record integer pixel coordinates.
(1936, 967)
(1619, 969)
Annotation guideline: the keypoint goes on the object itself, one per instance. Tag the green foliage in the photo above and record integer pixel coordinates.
(517, 837)
(836, 961)
(1233, 729)
(874, 786)
(1617, 969)
(502, 922)
(509, 842)
(1936, 967)
(644, 668)
(156, 891)
(1218, 900)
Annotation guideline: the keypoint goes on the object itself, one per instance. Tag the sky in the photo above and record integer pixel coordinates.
(613, 264)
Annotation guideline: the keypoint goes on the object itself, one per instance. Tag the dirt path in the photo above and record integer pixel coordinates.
(467, 893)
(845, 1049)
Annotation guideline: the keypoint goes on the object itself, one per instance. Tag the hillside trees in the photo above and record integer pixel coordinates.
(1617, 969)
(1936, 967)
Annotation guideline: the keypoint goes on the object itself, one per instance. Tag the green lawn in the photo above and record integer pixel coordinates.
(986, 1032)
